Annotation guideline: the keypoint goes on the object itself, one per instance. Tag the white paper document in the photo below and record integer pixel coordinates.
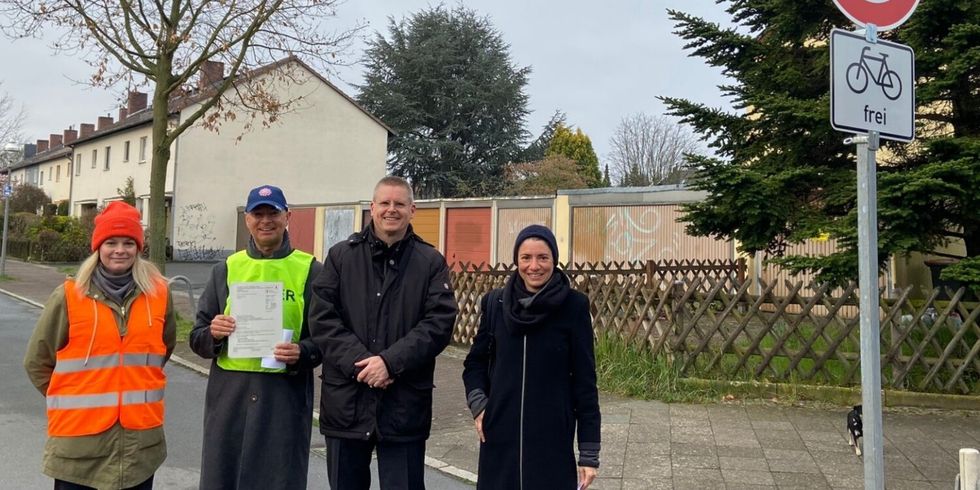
(257, 309)
(270, 360)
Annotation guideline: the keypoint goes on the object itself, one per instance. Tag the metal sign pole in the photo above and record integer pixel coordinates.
(867, 201)
(5, 188)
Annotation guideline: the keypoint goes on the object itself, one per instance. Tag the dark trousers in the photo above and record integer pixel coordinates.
(401, 465)
(65, 485)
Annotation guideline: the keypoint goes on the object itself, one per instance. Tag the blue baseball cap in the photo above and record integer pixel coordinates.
(266, 194)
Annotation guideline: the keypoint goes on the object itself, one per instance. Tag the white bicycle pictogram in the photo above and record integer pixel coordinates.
(858, 74)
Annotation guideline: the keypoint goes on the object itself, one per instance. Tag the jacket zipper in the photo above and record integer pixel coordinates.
(523, 388)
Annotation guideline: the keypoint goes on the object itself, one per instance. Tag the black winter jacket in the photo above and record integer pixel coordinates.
(542, 389)
(396, 303)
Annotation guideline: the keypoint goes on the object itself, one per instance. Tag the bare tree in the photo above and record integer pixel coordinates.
(167, 44)
(11, 120)
(649, 150)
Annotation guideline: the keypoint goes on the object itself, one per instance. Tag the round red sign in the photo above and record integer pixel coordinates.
(885, 14)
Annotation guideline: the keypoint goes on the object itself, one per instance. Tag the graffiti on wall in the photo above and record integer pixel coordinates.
(631, 233)
(195, 232)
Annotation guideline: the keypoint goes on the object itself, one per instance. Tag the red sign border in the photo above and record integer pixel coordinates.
(869, 5)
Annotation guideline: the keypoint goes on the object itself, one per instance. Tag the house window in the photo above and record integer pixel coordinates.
(41, 182)
(143, 149)
(126, 151)
(57, 175)
(95, 157)
(107, 158)
(78, 164)
(50, 171)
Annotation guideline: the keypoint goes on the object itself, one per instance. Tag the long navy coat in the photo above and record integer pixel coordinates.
(542, 387)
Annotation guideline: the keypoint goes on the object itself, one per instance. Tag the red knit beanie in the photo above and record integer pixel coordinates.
(117, 219)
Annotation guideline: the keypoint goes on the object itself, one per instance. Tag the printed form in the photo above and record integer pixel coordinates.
(257, 309)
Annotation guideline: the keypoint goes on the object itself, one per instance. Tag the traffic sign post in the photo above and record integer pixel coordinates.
(7, 190)
(872, 92)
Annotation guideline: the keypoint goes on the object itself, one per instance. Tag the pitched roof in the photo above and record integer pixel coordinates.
(178, 104)
(44, 156)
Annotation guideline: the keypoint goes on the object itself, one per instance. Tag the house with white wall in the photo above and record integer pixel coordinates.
(326, 148)
(46, 165)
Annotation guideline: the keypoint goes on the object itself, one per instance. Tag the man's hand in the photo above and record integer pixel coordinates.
(374, 373)
(222, 326)
(287, 352)
(586, 474)
(479, 426)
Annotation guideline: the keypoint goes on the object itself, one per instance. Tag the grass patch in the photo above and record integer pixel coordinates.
(5, 277)
(183, 328)
(628, 370)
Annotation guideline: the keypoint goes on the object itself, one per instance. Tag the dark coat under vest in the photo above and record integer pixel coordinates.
(256, 425)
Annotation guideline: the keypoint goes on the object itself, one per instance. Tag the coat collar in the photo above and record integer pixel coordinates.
(284, 249)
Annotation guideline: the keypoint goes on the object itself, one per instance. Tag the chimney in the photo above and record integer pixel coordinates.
(123, 113)
(211, 72)
(136, 102)
(70, 135)
(54, 140)
(104, 122)
(42, 146)
(29, 150)
(85, 130)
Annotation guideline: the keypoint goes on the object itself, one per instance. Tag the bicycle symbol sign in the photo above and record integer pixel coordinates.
(872, 86)
(859, 72)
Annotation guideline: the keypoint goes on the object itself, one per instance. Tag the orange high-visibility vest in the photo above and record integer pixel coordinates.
(99, 376)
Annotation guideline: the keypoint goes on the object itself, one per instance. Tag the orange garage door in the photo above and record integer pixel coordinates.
(426, 225)
(467, 236)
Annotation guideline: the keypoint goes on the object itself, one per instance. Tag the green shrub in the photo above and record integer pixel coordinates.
(50, 238)
(966, 271)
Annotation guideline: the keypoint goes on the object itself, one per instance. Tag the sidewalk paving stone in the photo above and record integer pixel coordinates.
(653, 445)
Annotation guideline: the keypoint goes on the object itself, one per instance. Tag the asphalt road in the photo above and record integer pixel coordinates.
(22, 420)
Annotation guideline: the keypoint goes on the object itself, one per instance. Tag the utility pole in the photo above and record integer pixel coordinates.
(10, 153)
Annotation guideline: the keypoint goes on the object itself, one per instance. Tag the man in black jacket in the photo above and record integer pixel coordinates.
(383, 309)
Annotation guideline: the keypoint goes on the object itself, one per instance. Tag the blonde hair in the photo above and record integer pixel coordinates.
(145, 274)
(395, 181)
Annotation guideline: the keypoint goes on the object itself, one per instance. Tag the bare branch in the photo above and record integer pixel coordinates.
(651, 148)
(169, 43)
(11, 120)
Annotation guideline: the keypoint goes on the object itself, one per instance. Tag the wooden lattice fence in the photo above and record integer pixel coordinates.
(712, 326)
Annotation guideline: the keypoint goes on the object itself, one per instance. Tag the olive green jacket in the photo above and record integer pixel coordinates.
(117, 458)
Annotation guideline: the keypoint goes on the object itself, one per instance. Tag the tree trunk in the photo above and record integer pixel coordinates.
(158, 165)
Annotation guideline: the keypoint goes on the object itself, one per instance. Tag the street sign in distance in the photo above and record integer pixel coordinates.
(884, 14)
(872, 86)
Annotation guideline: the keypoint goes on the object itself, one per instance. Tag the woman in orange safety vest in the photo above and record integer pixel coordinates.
(97, 355)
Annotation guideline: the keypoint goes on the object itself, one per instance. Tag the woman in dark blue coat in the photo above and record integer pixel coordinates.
(530, 376)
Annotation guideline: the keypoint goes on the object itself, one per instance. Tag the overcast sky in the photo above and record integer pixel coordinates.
(596, 61)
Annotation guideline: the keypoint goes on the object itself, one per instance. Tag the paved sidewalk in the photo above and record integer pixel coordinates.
(653, 445)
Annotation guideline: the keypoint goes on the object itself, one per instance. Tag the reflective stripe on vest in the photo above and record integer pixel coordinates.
(103, 399)
(291, 271)
(100, 377)
(100, 362)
